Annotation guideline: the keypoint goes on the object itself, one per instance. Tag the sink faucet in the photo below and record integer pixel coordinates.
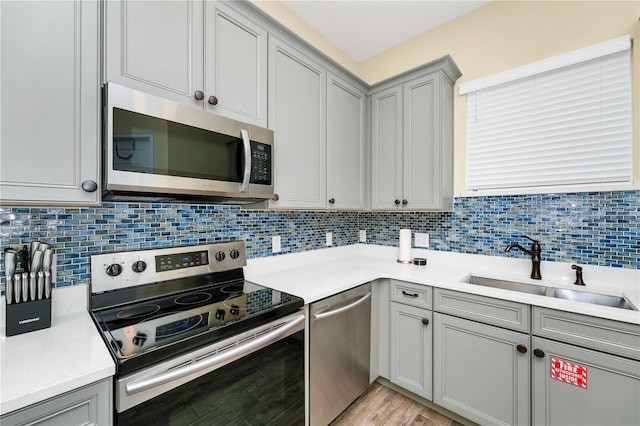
(578, 269)
(534, 253)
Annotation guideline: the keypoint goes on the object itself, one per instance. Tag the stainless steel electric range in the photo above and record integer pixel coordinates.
(193, 342)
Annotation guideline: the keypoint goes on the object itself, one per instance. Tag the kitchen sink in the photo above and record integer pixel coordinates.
(593, 298)
(558, 293)
(507, 285)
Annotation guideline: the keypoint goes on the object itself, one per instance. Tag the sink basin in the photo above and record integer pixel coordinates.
(507, 285)
(559, 293)
(593, 298)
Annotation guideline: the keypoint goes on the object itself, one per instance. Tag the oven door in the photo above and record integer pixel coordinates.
(256, 377)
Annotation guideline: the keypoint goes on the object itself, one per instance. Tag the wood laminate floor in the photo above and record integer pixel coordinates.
(380, 405)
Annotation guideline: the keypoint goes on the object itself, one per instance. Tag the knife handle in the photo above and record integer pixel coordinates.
(32, 286)
(40, 285)
(8, 289)
(17, 287)
(25, 287)
(47, 284)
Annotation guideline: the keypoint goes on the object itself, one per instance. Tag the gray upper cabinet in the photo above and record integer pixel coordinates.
(297, 115)
(50, 52)
(412, 140)
(202, 53)
(345, 144)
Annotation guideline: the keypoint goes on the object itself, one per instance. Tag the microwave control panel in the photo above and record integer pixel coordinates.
(260, 163)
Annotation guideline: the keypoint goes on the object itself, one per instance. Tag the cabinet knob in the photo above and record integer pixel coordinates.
(405, 202)
(332, 200)
(275, 197)
(539, 353)
(89, 186)
(425, 321)
(397, 202)
(213, 100)
(198, 95)
(522, 349)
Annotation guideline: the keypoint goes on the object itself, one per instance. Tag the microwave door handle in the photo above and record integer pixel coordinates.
(246, 143)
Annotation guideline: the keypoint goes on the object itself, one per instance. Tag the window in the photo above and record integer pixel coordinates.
(562, 122)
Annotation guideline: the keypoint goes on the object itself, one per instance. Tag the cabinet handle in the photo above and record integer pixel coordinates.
(522, 349)
(89, 186)
(425, 321)
(404, 293)
(539, 353)
(397, 202)
(275, 197)
(213, 100)
(198, 95)
(332, 200)
(405, 202)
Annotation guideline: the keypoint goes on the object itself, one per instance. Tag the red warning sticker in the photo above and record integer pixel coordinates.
(568, 372)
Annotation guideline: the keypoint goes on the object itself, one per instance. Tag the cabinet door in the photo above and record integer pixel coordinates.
(345, 145)
(576, 386)
(297, 115)
(411, 348)
(386, 148)
(421, 143)
(235, 65)
(155, 46)
(49, 54)
(479, 371)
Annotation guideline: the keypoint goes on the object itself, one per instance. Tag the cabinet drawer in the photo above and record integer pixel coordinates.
(503, 313)
(412, 294)
(595, 333)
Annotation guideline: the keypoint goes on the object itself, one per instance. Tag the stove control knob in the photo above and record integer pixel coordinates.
(234, 254)
(139, 266)
(139, 339)
(220, 314)
(220, 256)
(114, 269)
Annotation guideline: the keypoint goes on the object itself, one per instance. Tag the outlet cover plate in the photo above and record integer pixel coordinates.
(421, 240)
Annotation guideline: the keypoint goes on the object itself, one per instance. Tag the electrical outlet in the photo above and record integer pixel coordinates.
(421, 240)
(329, 239)
(363, 236)
(276, 244)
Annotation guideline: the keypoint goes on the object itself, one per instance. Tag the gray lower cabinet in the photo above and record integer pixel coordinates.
(50, 53)
(480, 371)
(577, 386)
(90, 405)
(411, 348)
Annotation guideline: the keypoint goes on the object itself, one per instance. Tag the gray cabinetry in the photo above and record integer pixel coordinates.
(202, 53)
(471, 357)
(412, 140)
(50, 53)
(580, 378)
(297, 115)
(90, 405)
(411, 348)
(345, 144)
(411, 337)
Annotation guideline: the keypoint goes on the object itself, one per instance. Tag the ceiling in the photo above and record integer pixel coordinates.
(364, 28)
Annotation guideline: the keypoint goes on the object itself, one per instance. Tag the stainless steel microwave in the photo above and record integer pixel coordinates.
(156, 149)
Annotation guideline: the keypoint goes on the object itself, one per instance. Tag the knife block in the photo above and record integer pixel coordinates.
(28, 316)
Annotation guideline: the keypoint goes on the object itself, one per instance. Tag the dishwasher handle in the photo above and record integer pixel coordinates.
(343, 309)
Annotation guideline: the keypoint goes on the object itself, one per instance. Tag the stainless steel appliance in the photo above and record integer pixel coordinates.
(339, 353)
(160, 149)
(193, 341)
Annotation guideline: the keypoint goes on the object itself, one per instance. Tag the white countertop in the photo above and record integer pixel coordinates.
(43, 364)
(321, 273)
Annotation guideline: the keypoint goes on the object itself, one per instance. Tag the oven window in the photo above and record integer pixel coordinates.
(265, 387)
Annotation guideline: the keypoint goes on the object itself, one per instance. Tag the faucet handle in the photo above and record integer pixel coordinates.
(579, 280)
(529, 238)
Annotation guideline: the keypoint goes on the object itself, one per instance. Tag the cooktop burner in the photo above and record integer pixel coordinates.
(148, 315)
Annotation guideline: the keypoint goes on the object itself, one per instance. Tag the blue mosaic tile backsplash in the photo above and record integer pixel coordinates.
(600, 228)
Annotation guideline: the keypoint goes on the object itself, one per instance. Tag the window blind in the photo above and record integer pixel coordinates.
(568, 126)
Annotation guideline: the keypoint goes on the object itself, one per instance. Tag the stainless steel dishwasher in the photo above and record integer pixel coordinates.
(340, 352)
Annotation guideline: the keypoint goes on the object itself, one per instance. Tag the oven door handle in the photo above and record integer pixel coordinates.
(237, 352)
(246, 144)
(342, 309)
